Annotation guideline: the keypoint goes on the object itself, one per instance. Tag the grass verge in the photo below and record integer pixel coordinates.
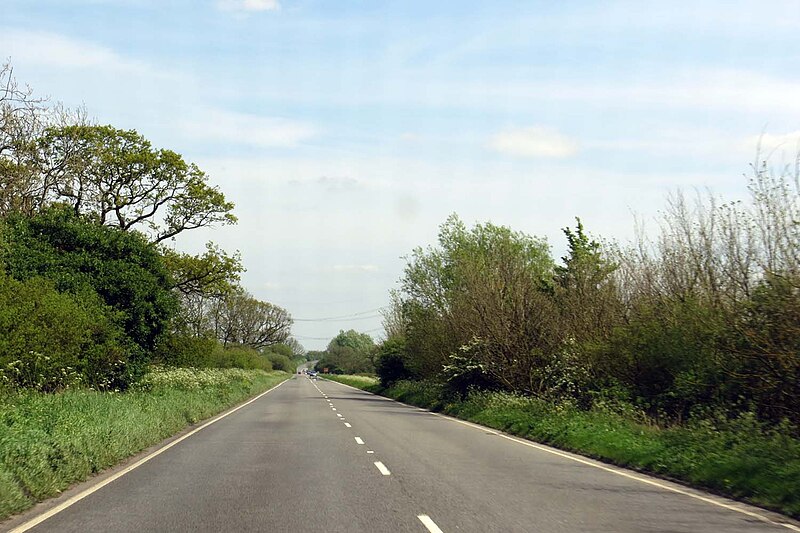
(51, 441)
(360, 382)
(737, 458)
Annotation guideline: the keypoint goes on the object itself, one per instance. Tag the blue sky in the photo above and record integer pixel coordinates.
(347, 131)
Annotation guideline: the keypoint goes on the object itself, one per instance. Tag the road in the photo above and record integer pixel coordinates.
(320, 456)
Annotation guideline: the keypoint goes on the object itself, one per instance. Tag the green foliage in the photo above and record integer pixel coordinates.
(184, 350)
(116, 178)
(51, 341)
(280, 361)
(349, 352)
(51, 441)
(765, 348)
(80, 257)
(666, 356)
(240, 357)
(281, 349)
(214, 273)
(390, 363)
(485, 288)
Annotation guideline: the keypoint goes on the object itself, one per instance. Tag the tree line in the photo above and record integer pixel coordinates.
(91, 288)
(701, 319)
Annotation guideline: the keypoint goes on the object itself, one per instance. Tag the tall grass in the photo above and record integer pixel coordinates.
(51, 441)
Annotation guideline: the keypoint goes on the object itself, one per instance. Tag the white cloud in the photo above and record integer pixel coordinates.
(40, 48)
(533, 142)
(243, 128)
(249, 5)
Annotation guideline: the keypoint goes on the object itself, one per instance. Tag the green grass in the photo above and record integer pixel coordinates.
(51, 441)
(360, 382)
(738, 458)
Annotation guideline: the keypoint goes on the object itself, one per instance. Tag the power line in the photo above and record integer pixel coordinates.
(304, 338)
(341, 317)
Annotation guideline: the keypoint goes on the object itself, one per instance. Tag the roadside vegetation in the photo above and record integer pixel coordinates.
(51, 441)
(92, 289)
(110, 338)
(678, 353)
(360, 382)
(737, 457)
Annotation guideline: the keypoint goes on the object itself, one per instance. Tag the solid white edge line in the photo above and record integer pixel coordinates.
(78, 497)
(382, 468)
(430, 524)
(617, 471)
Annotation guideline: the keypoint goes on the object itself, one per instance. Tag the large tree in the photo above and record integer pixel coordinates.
(240, 319)
(349, 352)
(117, 178)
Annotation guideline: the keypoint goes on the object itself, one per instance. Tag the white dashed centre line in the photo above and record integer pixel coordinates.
(382, 468)
(339, 415)
(347, 424)
(370, 451)
(430, 524)
(333, 408)
(359, 441)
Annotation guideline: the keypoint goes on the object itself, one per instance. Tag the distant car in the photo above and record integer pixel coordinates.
(312, 373)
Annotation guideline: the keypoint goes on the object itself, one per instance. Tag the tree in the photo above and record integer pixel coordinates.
(238, 318)
(585, 291)
(479, 300)
(213, 273)
(20, 123)
(118, 179)
(121, 267)
(349, 352)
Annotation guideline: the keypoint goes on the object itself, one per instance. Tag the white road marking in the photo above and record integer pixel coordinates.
(333, 408)
(347, 424)
(359, 441)
(370, 451)
(78, 497)
(382, 468)
(339, 415)
(430, 524)
(586, 462)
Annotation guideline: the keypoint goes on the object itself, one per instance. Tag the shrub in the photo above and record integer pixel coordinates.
(390, 364)
(240, 357)
(80, 257)
(51, 341)
(280, 361)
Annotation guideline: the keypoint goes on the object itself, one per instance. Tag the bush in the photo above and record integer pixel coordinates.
(50, 341)
(280, 361)
(177, 349)
(239, 357)
(390, 364)
(81, 257)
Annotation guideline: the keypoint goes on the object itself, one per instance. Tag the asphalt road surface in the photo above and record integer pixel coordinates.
(320, 456)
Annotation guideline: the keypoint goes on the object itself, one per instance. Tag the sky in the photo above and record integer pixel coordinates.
(347, 131)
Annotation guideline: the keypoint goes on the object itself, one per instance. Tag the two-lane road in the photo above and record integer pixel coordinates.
(320, 456)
